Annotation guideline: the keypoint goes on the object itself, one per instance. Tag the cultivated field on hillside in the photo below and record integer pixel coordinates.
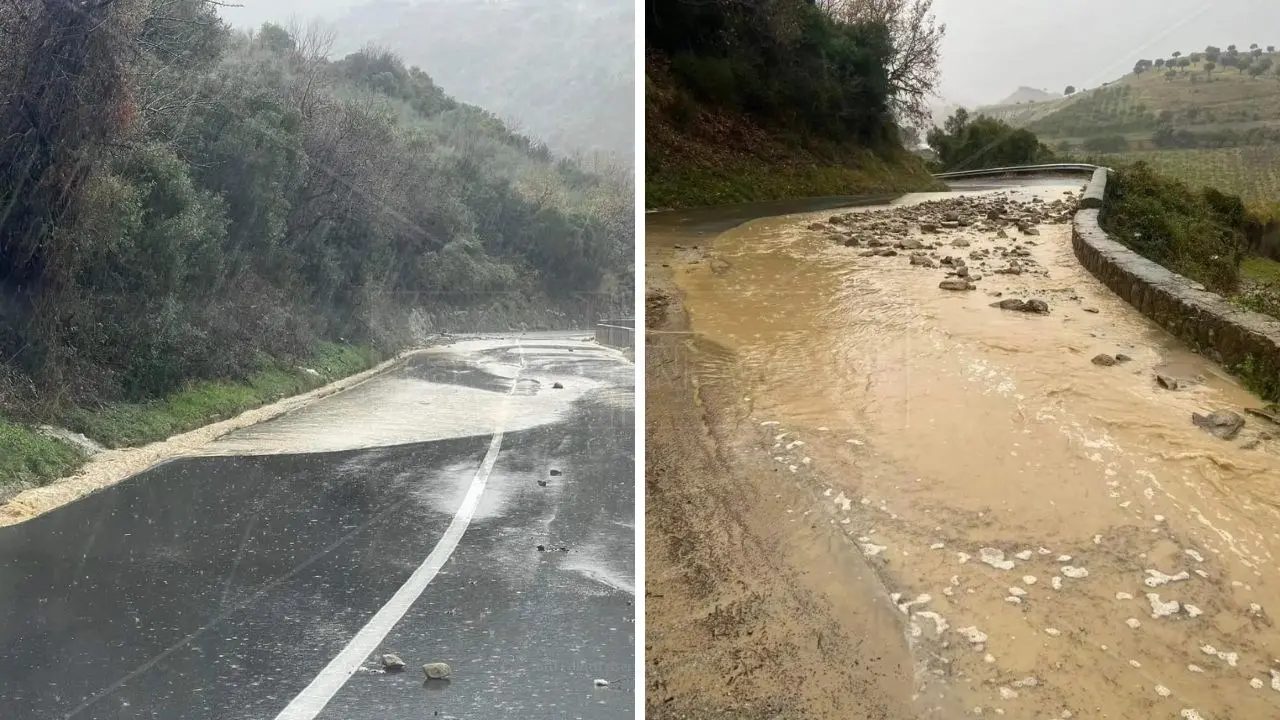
(1253, 173)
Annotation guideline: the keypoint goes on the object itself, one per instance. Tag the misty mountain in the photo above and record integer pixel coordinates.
(1026, 94)
(560, 71)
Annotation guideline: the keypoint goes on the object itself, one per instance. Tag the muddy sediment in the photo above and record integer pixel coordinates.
(755, 608)
(1033, 515)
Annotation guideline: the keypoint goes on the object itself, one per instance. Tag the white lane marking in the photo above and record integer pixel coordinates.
(312, 700)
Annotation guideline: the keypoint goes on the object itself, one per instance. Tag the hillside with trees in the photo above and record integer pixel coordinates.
(563, 71)
(183, 204)
(784, 98)
(974, 143)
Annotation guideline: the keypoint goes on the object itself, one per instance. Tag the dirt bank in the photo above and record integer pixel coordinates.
(756, 607)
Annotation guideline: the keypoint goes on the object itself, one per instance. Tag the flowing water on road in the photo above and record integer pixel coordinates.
(1038, 514)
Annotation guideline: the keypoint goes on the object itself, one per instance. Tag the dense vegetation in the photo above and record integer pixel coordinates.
(564, 71)
(180, 202)
(748, 101)
(1201, 234)
(965, 143)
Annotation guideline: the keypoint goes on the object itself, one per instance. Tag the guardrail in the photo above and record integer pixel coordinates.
(617, 333)
(1020, 170)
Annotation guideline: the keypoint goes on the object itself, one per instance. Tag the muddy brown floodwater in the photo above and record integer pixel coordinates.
(1060, 539)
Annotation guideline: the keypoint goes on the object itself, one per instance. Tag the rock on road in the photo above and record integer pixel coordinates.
(220, 585)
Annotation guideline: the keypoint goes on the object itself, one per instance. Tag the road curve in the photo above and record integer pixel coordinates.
(1051, 534)
(221, 586)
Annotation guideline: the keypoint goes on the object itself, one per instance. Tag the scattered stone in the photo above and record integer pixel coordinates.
(995, 558)
(910, 244)
(922, 261)
(1093, 310)
(1002, 234)
(960, 242)
(852, 242)
(437, 671)
(949, 224)
(542, 483)
(886, 252)
(972, 634)
(1075, 573)
(1056, 582)
(928, 227)
(1038, 307)
(601, 682)
(1255, 683)
(1163, 691)
(958, 284)
(1162, 609)
(1008, 693)
(1168, 382)
(1122, 358)
(1103, 360)
(1134, 623)
(557, 386)
(554, 473)
(1155, 578)
(1222, 424)
(392, 662)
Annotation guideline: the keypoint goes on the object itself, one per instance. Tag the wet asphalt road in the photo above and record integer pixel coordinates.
(218, 587)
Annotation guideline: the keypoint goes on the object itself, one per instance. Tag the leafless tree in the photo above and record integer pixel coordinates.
(313, 44)
(916, 36)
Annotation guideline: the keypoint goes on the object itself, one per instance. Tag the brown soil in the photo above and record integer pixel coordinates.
(752, 610)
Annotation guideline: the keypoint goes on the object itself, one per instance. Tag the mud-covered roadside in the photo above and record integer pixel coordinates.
(755, 607)
(1021, 457)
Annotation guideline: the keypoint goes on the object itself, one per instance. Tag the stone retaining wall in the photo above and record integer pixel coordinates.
(1243, 341)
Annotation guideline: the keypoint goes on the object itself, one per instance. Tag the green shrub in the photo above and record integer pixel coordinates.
(1199, 234)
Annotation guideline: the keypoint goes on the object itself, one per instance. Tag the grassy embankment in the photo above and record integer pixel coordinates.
(28, 458)
(1200, 234)
(697, 157)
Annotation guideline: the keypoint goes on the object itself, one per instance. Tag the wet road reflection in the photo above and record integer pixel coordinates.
(216, 587)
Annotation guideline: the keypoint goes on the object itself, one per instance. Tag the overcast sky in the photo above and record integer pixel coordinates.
(994, 46)
(253, 13)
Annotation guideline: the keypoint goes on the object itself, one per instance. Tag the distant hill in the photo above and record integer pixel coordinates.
(561, 71)
(1026, 94)
(1223, 107)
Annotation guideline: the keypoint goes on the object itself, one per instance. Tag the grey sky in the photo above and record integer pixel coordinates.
(253, 13)
(994, 46)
